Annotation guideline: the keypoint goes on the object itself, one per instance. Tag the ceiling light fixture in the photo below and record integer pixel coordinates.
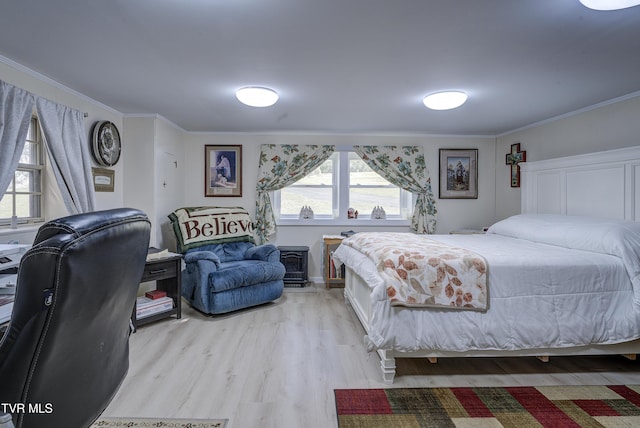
(609, 4)
(256, 96)
(446, 100)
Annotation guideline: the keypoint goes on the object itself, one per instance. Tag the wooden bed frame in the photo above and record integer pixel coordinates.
(570, 186)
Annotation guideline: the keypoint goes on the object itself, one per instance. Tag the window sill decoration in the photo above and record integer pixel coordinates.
(378, 213)
(306, 213)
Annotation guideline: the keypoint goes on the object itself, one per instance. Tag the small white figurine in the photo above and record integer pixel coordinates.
(306, 213)
(378, 213)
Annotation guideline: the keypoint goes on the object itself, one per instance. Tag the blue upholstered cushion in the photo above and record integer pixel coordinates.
(223, 277)
(245, 297)
(227, 252)
(242, 273)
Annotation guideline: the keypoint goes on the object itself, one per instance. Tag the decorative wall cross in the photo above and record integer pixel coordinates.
(514, 158)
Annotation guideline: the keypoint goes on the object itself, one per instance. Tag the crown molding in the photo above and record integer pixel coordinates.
(32, 73)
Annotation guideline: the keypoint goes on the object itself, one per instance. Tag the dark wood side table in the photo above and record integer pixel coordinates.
(167, 272)
(296, 261)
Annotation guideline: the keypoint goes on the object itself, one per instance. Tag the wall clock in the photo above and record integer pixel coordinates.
(106, 143)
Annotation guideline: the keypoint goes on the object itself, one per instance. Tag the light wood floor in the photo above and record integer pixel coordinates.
(277, 365)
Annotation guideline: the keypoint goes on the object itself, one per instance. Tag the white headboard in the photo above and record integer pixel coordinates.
(601, 184)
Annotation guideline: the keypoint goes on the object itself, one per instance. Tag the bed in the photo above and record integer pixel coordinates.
(562, 278)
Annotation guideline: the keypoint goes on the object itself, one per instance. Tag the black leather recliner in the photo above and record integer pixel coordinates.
(66, 349)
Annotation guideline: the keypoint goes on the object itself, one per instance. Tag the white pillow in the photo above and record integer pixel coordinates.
(620, 238)
(599, 235)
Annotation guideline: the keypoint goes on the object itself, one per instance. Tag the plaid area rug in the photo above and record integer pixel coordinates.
(158, 423)
(517, 407)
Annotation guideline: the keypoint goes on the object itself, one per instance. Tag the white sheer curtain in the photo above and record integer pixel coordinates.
(64, 133)
(16, 106)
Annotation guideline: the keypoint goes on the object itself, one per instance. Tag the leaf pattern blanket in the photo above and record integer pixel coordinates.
(421, 272)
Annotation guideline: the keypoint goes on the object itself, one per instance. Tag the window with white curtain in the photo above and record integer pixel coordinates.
(23, 197)
(343, 181)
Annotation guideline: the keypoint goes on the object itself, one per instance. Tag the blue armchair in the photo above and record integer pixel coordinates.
(225, 277)
(225, 271)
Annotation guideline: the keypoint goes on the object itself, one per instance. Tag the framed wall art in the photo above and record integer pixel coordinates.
(513, 158)
(223, 170)
(458, 173)
(103, 179)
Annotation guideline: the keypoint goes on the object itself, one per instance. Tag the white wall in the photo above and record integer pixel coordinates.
(170, 170)
(154, 172)
(452, 213)
(138, 157)
(611, 126)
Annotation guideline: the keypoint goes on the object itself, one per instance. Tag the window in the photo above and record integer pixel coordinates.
(316, 190)
(343, 181)
(23, 197)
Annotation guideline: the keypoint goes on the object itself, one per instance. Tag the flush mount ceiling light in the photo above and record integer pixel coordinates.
(256, 96)
(446, 100)
(609, 4)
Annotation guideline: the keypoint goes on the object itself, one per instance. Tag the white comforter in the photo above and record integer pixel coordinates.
(541, 294)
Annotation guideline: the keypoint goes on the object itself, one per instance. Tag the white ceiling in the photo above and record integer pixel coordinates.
(340, 66)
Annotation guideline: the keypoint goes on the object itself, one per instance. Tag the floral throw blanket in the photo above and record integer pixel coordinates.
(421, 272)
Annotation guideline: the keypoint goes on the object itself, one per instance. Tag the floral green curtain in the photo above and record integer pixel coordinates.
(404, 166)
(280, 166)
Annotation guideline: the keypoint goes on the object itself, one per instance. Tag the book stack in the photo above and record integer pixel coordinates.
(153, 302)
(155, 294)
(334, 273)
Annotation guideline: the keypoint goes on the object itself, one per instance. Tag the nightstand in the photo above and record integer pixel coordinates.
(167, 272)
